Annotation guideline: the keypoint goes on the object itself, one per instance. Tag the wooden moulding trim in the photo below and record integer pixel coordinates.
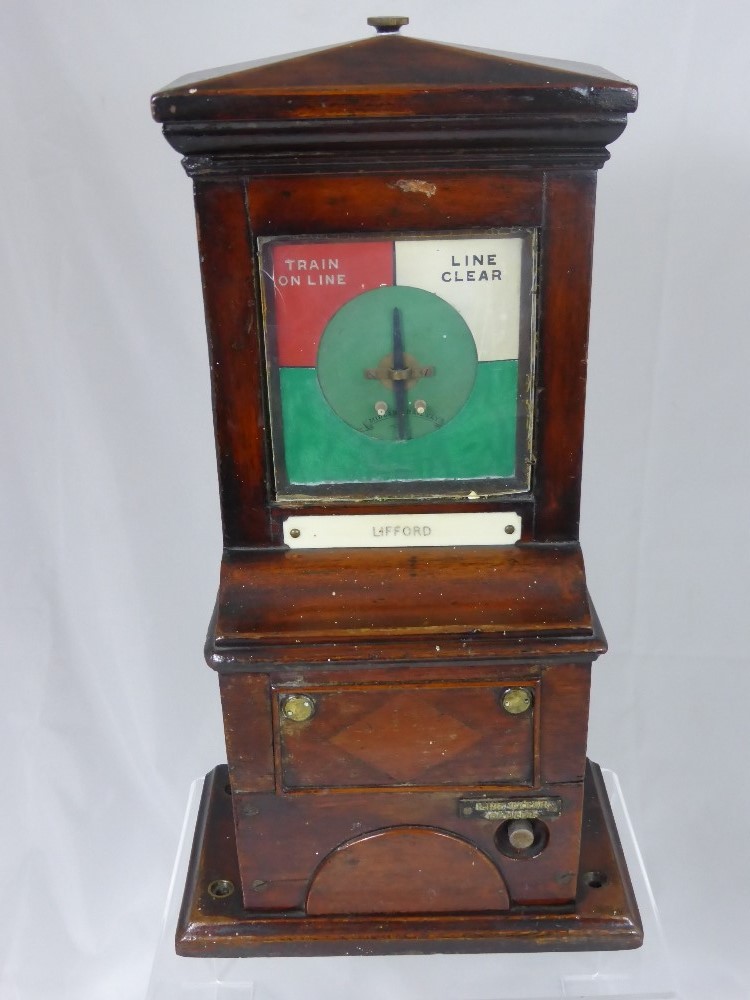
(256, 657)
(335, 108)
(484, 606)
(281, 596)
(248, 162)
(437, 135)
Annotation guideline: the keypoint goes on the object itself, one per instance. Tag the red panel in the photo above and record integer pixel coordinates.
(311, 281)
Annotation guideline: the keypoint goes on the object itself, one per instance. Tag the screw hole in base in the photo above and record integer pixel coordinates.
(595, 880)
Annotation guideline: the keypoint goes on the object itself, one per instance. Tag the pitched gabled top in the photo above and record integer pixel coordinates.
(392, 76)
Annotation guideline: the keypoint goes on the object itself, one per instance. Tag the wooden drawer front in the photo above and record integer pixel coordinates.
(420, 736)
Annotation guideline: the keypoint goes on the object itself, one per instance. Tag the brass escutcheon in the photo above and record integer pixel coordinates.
(298, 707)
(517, 700)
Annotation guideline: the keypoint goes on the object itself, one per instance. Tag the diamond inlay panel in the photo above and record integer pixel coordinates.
(432, 737)
(408, 736)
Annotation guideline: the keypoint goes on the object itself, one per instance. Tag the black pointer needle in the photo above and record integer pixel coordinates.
(399, 383)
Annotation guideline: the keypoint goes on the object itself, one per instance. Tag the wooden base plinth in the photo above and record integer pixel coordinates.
(605, 915)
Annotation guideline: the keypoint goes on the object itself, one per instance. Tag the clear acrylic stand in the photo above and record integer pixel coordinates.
(643, 974)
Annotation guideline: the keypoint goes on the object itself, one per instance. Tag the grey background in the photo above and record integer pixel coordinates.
(110, 524)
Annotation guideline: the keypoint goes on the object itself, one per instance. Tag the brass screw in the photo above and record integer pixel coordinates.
(295, 533)
(298, 708)
(517, 700)
(510, 529)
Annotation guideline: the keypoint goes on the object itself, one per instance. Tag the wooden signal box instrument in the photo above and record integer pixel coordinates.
(395, 240)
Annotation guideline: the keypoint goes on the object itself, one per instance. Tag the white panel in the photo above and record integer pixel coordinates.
(480, 278)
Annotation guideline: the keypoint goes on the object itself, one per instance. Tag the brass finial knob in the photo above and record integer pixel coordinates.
(387, 25)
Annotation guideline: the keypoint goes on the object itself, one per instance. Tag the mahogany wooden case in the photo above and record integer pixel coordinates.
(405, 726)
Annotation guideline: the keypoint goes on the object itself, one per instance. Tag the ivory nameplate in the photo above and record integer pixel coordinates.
(357, 531)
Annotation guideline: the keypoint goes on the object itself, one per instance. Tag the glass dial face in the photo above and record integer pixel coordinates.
(400, 366)
(396, 363)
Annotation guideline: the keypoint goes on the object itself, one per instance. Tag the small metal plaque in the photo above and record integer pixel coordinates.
(502, 809)
(357, 531)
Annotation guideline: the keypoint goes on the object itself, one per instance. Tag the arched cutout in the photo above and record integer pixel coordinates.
(407, 869)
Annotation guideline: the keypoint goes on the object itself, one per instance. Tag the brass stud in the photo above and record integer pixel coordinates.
(298, 708)
(220, 888)
(516, 701)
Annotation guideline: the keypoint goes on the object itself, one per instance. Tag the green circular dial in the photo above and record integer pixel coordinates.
(396, 363)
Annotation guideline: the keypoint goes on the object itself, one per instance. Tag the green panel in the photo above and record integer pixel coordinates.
(478, 443)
